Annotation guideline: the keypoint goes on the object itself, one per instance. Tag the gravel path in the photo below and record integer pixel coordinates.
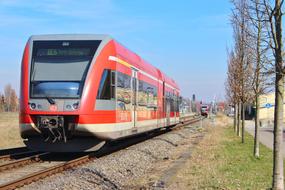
(122, 169)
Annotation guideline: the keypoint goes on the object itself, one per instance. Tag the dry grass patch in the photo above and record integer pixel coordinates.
(200, 167)
(9, 130)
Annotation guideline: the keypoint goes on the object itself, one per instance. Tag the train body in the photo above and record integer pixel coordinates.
(78, 91)
(205, 110)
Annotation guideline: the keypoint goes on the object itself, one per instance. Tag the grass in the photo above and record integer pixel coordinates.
(9, 130)
(221, 161)
(241, 169)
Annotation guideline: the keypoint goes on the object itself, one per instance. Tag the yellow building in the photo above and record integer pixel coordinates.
(267, 103)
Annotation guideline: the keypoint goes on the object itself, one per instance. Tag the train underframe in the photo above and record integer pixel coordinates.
(61, 133)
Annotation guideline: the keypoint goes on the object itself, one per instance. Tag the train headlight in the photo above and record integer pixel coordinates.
(68, 107)
(75, 105)
(33, 106)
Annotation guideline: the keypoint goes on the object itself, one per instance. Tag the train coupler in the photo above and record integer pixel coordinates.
(52, 128)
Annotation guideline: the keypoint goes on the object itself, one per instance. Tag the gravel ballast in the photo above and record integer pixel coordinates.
(123, 169)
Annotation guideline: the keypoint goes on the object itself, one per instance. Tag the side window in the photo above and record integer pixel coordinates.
(123, 91)
(171, 102)
(147, 95)
(124, 81)
(171, 99)
(149, 91)
(174, 101)
(142, 95)
(168, 100)
(155, 96)
(106, 90)
(113, 84)
(177, 102)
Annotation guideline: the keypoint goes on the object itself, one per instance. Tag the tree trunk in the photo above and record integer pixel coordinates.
(256, 131)
(278, 183)
(278, 134)
(235, 118)
(238, 120)
(243, 122)
(257, 83)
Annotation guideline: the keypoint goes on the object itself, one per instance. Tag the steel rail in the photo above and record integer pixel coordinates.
(21, 162)
(45, 173)
(13, 150)
(14, 155)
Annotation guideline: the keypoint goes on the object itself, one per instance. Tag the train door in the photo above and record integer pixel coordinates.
(174, 102)
(167, 111)
(158, 116)
(134, 87)
(166, 107)
(160, 105)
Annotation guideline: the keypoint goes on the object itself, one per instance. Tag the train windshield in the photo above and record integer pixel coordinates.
(59, 68)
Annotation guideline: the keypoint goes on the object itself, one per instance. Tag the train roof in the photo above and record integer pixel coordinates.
(71, 37)
(122, 51)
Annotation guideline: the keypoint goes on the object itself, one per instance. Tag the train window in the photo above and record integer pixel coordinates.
(171, 102)
(113, 78)
(52, 61)
(124, 81)
(124, 93)
(170, 99)
(58, 65)
(147, 94)
(142, 96)
(113, 83)
(175, 103)
(106, 88)
(178, 103)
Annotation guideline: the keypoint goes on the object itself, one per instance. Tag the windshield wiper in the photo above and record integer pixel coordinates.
(50, 100)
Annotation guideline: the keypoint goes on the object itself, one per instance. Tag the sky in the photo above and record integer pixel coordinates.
(186, 39)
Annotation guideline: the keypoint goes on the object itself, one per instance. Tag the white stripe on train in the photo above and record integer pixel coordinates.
(111, 127)
(118, 60)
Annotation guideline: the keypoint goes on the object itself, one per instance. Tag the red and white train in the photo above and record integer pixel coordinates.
(78, 91)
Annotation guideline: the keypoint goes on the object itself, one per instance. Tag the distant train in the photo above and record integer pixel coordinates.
(78, 91)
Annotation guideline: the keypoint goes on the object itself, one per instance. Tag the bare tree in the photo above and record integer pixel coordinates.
(274, 13)
(10, 98)
(233, 88)
(2, 103)
(7, 95)
(257, 87)
(255, 12)
(14, 101)
(240, 26)
(229, 87)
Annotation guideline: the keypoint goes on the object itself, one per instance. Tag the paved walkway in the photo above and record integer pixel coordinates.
(266, 135)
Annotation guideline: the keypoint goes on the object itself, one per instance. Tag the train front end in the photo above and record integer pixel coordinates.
(54, 72)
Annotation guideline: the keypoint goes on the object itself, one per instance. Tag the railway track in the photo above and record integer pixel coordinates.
(42, 165)
(21, 162)
(7, 154)
(19, 155)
